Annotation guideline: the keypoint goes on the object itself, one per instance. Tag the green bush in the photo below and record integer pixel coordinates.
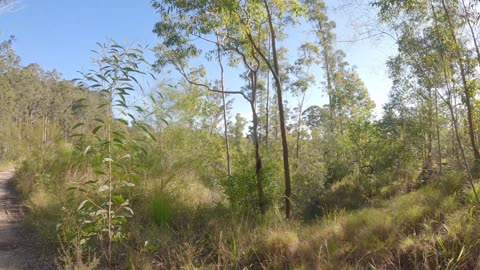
(160, 209)
(241, 187)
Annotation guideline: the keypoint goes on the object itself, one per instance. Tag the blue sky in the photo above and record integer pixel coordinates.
(61, 34)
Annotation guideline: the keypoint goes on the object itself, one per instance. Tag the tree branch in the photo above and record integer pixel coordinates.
(184, 74)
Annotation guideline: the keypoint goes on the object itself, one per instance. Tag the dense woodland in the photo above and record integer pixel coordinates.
(122, 170)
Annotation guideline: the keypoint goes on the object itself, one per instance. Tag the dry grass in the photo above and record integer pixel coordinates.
(282, 243)
(185, 225)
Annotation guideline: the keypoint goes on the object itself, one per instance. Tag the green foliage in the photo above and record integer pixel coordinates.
(160, 209)
(113, 148)
(241, 187)
(37, 107)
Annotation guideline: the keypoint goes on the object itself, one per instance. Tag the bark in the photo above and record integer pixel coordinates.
(428, 161)
(437, 124)
(225, 120)
(283, 131)
(267, 108)
(258, 157)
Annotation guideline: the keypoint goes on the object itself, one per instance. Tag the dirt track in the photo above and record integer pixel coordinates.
(19, 249)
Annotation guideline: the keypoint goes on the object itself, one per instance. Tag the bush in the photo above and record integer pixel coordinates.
(160, 209)
(241, 187)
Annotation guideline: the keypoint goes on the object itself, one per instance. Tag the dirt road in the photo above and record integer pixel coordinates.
(18, 248)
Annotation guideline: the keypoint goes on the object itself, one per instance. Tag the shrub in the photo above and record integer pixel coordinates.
(241, 187)
(160, 209)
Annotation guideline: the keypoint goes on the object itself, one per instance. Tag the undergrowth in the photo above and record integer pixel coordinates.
(432, 227)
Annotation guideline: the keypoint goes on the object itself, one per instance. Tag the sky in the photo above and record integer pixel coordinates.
(60, 35)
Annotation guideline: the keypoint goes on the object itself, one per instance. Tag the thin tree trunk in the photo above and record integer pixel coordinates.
(267, 110)
(267, 107)
(328, 74)
(298, 127)
(225, 131)
(462, 152)
(258, 157)
(283, 131)
(457, 136)
(429, 162)
(225, 120)
(439, 148)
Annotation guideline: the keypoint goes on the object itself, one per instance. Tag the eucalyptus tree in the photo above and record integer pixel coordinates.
(445, 21)
(303, 80)
(453, 24)
(348, 99)
(37, 107)
(326, 39)
(471, 16)
(224, 41)
(430, 40)
(114, 149)
(347, 94)
(239, 24)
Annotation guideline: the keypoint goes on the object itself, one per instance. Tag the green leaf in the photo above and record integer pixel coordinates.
(123, 121)
(98, 171)
(77, 125)
(89, 228)
(95, 130)
(118, 198)
(131, 116)
(102, 77)
(139, 109)
(102, 105)
(152, 98)
(91, 182)
(149, 135)
(117, 140)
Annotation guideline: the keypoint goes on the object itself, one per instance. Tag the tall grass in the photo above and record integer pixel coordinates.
(188, 225)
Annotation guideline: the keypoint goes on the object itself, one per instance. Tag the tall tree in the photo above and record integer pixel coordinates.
(326, 38)
(430, 41)
(240, 25)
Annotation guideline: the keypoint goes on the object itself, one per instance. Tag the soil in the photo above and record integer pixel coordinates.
(19, 247)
